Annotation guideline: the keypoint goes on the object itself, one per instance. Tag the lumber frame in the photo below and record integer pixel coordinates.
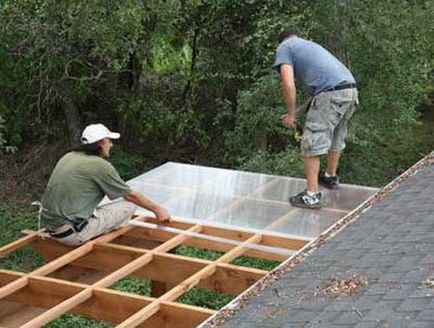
(105, 304)
(145, 254)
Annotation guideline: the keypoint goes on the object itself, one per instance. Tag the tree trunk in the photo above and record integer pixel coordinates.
(341, 50)
(194, 54)
(73, 121)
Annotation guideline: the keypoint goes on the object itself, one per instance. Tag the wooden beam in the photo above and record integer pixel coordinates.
(284, 242)
(108, 260)
(165, 268)
(142, 243)
(144, 259)
(171, 295)
(158, 288)
(186, 285)
(44, 293)
(126, 270)
(111, 306)
(182, 316)
(238, 251)
(162, 236)
(61, 261)
(61, 308)
(166, 271)
(105, 304)
(9, 248)
(47, 268)
(7, 276)
(13, 314)
(227, 233)
(231, 281)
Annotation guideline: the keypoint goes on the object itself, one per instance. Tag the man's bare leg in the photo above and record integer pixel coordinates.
(332, 162)
(311, 170)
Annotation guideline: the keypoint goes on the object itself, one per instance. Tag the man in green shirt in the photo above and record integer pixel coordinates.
(79, 182)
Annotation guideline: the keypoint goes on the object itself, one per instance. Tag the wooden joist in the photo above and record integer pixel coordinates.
(186, 285)
(9, 248)
(164, 268)
(268, 240)
(105, 304)
(137, 252)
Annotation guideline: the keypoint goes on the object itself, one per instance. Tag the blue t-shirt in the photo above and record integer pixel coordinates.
(314, 67)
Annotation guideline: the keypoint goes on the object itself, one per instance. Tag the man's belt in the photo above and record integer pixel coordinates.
(77, 226)
(342, 86)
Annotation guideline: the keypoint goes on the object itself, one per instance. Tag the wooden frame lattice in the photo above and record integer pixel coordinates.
(60, 286)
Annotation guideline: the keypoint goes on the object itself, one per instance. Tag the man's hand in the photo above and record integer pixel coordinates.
(289, 121)
(137, 198)
(162, 215)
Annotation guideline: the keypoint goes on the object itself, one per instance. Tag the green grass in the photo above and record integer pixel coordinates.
(133, 285)
(24, 259)
(75, 321)
(13, 219)
(205, 298)
(252, 262)
(210, 255)
(199, 253)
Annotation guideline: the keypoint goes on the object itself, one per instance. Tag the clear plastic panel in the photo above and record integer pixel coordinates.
(243, 199)
(281, 189)
(198, 206)
(251, 213)
(305, 222)
(347, 197)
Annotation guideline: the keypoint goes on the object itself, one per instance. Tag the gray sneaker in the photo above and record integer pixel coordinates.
(305, 201)
(328, 182)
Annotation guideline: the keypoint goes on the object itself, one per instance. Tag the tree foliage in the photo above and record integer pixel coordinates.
(191, 80)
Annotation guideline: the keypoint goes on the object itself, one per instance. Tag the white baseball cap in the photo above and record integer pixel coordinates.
(96, 132)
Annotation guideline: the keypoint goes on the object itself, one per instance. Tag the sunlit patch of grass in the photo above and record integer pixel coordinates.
(134, 286)
(200, 253)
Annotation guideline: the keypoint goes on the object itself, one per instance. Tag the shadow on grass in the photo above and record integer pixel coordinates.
(74, 321)
(205, 298)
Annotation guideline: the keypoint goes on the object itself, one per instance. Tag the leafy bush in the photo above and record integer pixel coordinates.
(191, 80)
(128, 165)
(3, 142)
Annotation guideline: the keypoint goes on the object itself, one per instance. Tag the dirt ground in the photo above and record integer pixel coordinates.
(24, 175)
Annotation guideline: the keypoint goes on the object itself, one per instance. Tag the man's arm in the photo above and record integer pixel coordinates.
(160, 212)
(289, 95)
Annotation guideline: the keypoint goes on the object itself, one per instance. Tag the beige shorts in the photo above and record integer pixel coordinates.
(105, 219)
(326, 122)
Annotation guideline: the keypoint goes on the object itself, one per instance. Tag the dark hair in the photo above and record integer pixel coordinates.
(89, 149)
(287, 32)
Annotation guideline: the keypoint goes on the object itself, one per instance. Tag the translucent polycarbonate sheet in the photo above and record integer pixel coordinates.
(196, 205)
(157, 193)
(347, 197)
(209, 180)
(250, 213)
(305, 222)
(243, 199)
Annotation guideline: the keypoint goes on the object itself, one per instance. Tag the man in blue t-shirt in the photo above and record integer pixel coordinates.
(334, 99)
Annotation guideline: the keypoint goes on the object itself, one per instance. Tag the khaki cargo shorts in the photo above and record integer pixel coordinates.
(326, 122)
(105, 219)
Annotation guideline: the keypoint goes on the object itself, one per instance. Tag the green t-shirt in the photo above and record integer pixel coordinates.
(77, 185)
